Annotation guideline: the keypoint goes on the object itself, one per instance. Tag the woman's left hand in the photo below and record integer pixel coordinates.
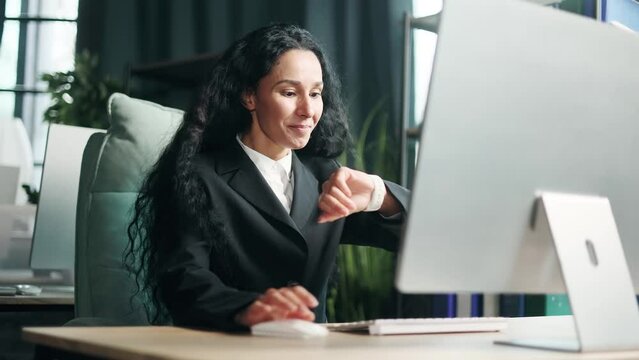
(347, 191)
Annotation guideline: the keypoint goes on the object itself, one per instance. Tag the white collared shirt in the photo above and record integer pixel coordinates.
(277, 173)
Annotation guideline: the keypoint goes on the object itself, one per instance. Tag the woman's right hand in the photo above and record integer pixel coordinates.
(291, 302)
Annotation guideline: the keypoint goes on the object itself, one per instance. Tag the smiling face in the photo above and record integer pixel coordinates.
(286, 105)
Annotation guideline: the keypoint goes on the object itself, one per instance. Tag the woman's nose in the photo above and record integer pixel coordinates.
(305, 107)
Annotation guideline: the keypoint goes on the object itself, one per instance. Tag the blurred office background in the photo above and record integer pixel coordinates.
(161, 50)
(364, 39)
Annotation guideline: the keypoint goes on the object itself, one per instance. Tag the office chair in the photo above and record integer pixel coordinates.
(113, 168)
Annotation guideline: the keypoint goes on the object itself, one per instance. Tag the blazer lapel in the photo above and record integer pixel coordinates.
(244, 177)
(305, 193)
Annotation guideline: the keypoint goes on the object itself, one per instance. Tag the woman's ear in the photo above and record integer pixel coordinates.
(248, 100)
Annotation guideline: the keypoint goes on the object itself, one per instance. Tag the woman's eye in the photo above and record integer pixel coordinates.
(288, 93)
(316, 94)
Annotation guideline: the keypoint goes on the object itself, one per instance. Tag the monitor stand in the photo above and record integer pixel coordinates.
(595, 272)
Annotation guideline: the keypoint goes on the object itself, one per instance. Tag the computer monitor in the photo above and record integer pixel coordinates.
(9, 176)
(527, 100)
(53, 246)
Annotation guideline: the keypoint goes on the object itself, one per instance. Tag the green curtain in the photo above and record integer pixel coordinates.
(144, 31)
(581, 7)
(363, 37)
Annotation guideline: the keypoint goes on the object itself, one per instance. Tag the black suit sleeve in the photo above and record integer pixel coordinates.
(194, 295)
(372, 229)
(368, 228)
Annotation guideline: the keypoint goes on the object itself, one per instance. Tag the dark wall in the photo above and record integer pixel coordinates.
(362, 37)
(2, 9)
(582, 7)
(142, 31)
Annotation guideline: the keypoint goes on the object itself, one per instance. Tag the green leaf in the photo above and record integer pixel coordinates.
(79, 97)
(365, 277)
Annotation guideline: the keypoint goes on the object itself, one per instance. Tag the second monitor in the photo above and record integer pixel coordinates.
(53, 246)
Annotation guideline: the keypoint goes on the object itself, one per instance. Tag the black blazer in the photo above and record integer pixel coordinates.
(263, 245)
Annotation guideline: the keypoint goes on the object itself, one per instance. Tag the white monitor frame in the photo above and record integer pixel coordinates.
(523, 99)
(9, 184)
(53, 246)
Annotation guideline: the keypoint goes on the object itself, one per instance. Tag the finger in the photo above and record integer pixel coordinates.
(331, 206)
(293, 297)
(339, 195)
(326, 185)
(325, 218)
(305, 296)
(302, 311)
(257, 312)
(304, 314)
(302, 298)
(274, 298)
(340, 179)
(261, 312)
(331, 203)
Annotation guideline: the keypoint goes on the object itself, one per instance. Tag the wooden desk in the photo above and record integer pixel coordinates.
(177, 343)
(50, 308)
(45, 298)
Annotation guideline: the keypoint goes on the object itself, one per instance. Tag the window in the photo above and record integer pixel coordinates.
(38, 37)
(420, 67)
(424, 43)
(623, 13)
(423, 52)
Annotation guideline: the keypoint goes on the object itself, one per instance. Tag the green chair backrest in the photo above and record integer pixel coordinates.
(113, 168)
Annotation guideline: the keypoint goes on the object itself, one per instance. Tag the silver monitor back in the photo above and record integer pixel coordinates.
(9, 184)
(53, 246)
(523, 98)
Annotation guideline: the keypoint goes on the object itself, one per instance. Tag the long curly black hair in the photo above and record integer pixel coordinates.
(171, 187)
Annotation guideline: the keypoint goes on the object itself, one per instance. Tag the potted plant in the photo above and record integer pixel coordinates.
(79, 96)
(364, 284)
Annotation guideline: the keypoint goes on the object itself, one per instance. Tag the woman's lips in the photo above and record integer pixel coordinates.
(301, 128)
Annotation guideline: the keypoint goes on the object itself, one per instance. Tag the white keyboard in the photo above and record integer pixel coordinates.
(423, 326)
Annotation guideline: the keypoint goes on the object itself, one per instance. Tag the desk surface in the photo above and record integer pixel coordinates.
(178, 343)
(46, 297)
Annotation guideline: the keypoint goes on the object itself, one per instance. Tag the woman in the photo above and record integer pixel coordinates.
(240, 220)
